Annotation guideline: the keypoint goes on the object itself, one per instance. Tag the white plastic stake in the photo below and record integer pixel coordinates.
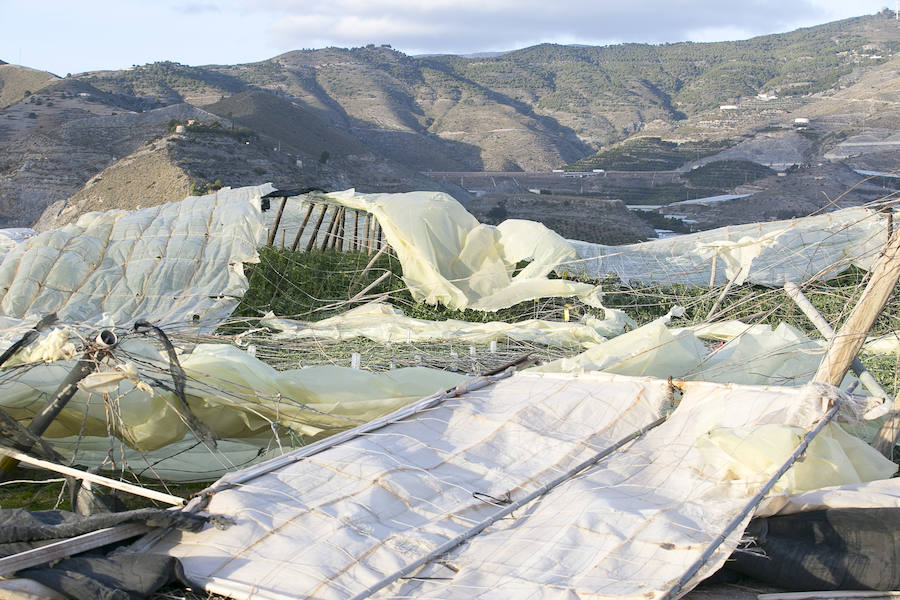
(355, 360)
(493, 346)
(251, 350)
(471, 350)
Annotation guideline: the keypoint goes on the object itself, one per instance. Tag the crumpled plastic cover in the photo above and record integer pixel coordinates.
(381, 322)
(751, 354)
(450, 258)
(773, 253)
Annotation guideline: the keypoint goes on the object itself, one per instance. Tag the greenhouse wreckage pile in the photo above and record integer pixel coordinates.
(629, 464)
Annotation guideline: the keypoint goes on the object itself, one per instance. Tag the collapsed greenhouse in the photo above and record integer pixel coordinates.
(479, 411)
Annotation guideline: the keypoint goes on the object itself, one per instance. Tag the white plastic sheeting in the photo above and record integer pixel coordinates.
(339, 521)
(770, 254)
(881, 493)
(384, 323)
(450, 258)
(175, 263)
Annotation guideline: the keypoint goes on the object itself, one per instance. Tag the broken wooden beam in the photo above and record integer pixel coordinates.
(848, 341)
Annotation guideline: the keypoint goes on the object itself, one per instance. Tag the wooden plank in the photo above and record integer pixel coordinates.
(100, 479)
(65, 548)
(273, 232)
(844, 346)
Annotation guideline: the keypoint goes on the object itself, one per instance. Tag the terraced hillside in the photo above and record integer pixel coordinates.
(540, 107)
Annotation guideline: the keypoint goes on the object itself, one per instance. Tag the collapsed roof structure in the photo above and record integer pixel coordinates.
(342, 483)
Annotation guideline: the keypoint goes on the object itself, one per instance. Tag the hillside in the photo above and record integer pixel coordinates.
(650, 118)
(18, 82)
(530, 109)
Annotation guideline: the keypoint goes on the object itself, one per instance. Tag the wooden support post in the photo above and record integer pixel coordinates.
(712, 271)
(372, 261)
(355, 230)
(296, 243)
(718, 302)
(331, 227)
(274, 230)
(315, 231)
(338, 242)
(378, 229)
(865, 378)
(844, 346)
(84, 367)
(369, 233)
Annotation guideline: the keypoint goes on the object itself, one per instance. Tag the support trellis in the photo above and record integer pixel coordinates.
(357, 231)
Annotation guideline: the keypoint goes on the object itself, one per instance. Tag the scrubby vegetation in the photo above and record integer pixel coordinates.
(647, 154)
(728, 173)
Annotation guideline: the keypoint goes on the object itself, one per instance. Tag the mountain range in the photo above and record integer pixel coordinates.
(378, 120)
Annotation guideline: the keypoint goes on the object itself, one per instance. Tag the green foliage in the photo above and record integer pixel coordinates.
(315, 285)
(241, 134)
(200, 187)
(166, 80)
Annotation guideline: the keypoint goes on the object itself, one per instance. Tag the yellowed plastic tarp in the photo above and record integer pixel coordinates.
(450, 258)
(234, 393)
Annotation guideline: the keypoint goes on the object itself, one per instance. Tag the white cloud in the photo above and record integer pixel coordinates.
(93, 34)
(476, 25)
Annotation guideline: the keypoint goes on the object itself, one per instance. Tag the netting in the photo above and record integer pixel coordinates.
(357, 305)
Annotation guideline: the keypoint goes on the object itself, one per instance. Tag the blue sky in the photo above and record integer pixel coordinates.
(85, 35)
